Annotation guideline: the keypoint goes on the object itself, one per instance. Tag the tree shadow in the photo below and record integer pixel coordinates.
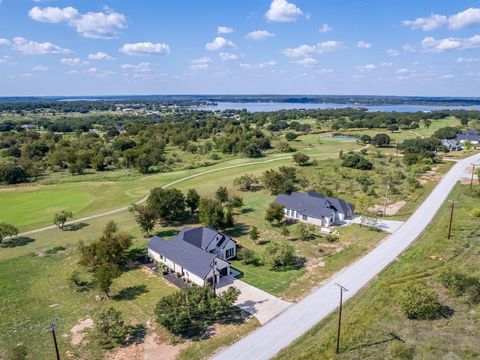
(137, 254)
(247, 210)
(167, 233)
(136, 334)
(18, 241)
(75, 227)
(390, 337)
(130, 293)
(238, 230)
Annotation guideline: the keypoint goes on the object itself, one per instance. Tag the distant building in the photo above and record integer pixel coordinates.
(451, 144)
(313, 208)
(196, 254)
(469, 136)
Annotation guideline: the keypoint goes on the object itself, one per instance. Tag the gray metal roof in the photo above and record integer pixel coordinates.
(202, 236)
(313, 204)
(192, 258)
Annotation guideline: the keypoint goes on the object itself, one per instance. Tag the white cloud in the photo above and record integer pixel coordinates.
(456, 21)
(408, 48)
(99, 73)
(53, 14)
(224, 56)
(259, 35)
(224, 30)
(465, 18)
(96, 25)
(325, 28)
(308, 61)
(200, 64)
(432, 22)
(99, 55)
(363, 45)
(447, 77)
(260, 65)
(145, 48)
(324, 71)
(143, 67)
(393, 52)
(368, 67)
(40, 68)
(29, 47)
(467, 60)
(431, 44)
(386, 64)
(72, 61)
(308, 50)
(219, 43)
(283, 11)
(4, 42)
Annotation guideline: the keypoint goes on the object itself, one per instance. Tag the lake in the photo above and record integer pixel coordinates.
(275, 106)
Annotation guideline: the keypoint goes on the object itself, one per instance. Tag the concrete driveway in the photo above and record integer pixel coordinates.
(389, 226)
(262, 305)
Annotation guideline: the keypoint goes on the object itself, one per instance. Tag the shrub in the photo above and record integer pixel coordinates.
(279, 255)
(419, 302)
(356, 161)
(460, 284)
(331, 238)
(54, 250)
(475, 212)
(247, 256)
(110, 329)
(401, 351)
(253, 233)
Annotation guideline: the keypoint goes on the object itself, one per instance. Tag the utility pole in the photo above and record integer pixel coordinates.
(342, 289)
(473, 173)
(451, 218)
(52, 330)
(386, 200)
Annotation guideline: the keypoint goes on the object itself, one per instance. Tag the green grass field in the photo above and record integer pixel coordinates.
(374, 325)
(32, 206)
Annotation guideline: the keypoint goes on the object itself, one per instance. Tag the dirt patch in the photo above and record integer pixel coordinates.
(314, 263)
(430, 175)
(77, 332)
(467, 177)
(153, 347)
(147, 271)
(392, 209)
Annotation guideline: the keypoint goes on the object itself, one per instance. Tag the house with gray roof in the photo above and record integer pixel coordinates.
(469, 136)
(451, 144)
(200, 255)
(314, 208)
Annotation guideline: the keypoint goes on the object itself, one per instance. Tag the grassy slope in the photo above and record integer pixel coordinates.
(32, 206)
(372, 319)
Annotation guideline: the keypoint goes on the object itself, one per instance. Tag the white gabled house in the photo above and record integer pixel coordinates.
(196, 254)
(313, 208)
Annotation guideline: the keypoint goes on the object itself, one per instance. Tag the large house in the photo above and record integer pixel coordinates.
(200, 255)
(452, 144)
(469, 136)
(314, 208)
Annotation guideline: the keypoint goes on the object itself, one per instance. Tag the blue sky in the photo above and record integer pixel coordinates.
(395, 47)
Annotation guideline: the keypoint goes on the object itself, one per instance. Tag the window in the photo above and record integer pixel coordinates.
(230, 253)
(304, 217)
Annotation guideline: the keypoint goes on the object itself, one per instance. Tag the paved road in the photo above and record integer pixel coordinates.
(125, 208)
(280, 332)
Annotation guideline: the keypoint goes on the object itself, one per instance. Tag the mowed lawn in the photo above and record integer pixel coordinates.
(375, 327)
(32, 206)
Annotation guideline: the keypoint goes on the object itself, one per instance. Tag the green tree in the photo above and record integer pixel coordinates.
(279, 181)
(61, 217)
(103, 276)
(245, 182)
(254, 233)
(365, 139)
(304, 231)
(211, 213)
(419, 302)
(235, 202)
(110, 328)
(192, 200)
(110, 248)
(381, 140)
(290, 136)
(356, 161)
(279, 255)
(145, 217)
(275, 212)
(301, 159)
(222, 194)
(167, 204)
(189, 312)
(7, 230)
